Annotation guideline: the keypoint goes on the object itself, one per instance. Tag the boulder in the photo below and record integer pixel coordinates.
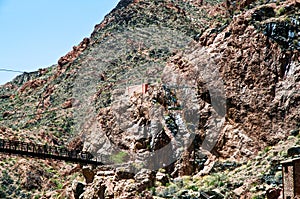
(123, 173)
(162, 177)
(293, 151)
(78, 189)
(273, 193)
(88, 174)
(294, 132)
(144, 178)
(32, 181)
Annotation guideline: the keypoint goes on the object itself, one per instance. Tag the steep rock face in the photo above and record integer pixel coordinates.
(255, 103)
(260, 80)
(37, 97)
(235, 67)
(121, 119)
(44, 106)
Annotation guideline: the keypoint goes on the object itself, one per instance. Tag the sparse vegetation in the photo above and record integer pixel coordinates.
(167, 29)
(119, 158)
(280, 11)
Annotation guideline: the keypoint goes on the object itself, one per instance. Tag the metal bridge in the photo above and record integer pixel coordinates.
(45, 151)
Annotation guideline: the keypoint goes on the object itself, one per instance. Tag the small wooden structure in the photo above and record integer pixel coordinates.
(143, 88)
(291, 178)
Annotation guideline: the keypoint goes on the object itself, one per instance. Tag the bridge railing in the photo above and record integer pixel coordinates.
(45, 151)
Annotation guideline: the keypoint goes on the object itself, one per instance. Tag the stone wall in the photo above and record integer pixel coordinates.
(297, 178)
(288, 180)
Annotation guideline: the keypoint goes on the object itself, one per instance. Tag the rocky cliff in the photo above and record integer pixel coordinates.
(182, 99)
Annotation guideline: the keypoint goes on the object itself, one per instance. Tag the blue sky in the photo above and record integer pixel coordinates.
(36, 33)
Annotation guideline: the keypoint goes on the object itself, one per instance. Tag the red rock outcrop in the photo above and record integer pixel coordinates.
(32, 84)
(260, 84)
(72, 55)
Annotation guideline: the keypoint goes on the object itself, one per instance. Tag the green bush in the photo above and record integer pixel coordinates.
(119, 157)
(267, 148)
(37, 196)
(258, 197)
(280, 11)
(193, 187)
(58, 184)
(215, 180)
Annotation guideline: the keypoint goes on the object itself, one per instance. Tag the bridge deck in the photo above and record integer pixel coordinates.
(45, 151)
